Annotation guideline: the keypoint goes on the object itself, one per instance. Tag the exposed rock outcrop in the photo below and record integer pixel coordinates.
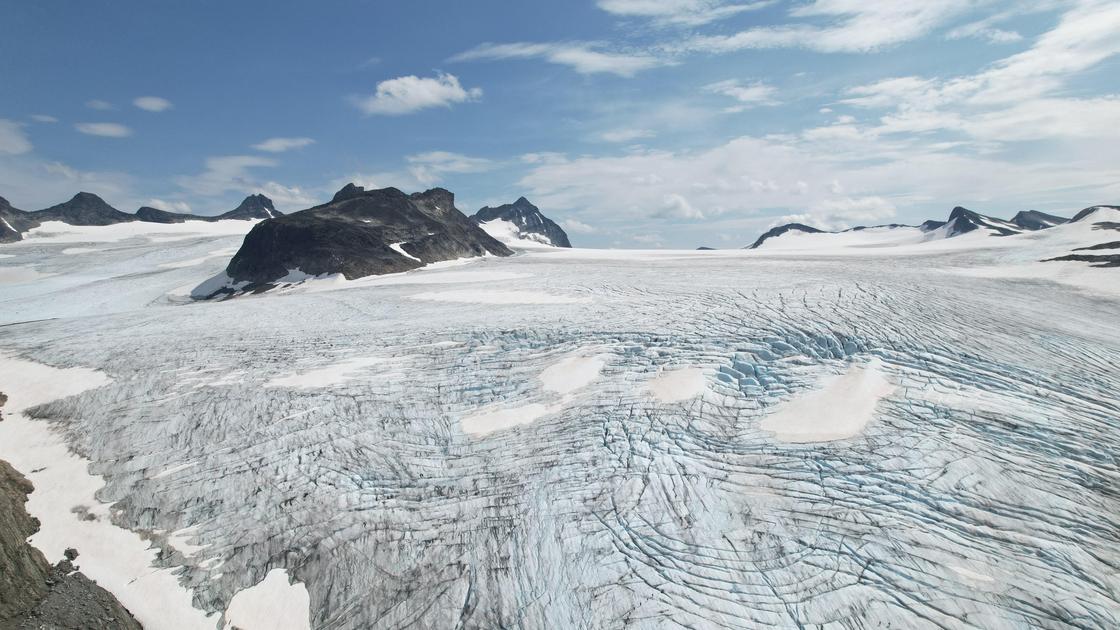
(359, 233)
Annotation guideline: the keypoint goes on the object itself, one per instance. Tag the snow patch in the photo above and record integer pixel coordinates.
(839, 409)
(19, 275)
(573, 373)
(400, 250)
(327, 376)
(677, 385)
(508, 233)
(496, 419)
(275, 603)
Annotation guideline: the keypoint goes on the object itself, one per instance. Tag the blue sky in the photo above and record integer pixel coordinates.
(635, 123)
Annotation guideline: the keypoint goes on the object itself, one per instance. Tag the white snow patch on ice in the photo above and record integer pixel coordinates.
(181, 541)
(496, 418)
(174, 469)
(498, 297)
(677, 385)
(73, 251)
(220, 253)
(272, 604)
(118, 559)
(970, 574)
(840, 408)
(19, 275)
(337, 374)
(573, 373)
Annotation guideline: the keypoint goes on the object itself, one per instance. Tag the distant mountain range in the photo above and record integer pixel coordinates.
(90, 210)
(961, 221)
(521, 221)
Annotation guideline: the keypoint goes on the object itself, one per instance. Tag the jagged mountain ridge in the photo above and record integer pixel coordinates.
(527, 221)
(961, 221)
(358, 233)
(88, 209)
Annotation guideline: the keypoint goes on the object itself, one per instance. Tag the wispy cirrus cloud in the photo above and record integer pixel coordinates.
(13, 140)
(104, 129)
(280, 145)
(152, 103)
(680, 12)
(409, 94)
(583, 57)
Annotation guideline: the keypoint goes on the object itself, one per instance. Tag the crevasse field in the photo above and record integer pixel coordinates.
(904, 436)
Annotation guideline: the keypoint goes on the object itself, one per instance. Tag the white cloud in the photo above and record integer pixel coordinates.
(850, 26)
(12, 138)
(428, 169)
(626, 135)
(225, 174)
(576, 227)
(287, 198)
(679, 12)
(152, 103)
(408, 94)
(43, 118)
(100, 105)
(104, 129)
(31, 183)
(280, 145)
(748, 94)
(181, 207)
(580, 56)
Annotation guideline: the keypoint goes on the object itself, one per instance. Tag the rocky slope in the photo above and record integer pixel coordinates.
(13, 222)
(1035, 220)
(359, 233)
(522, 221)
(33, 594)
(782, 229)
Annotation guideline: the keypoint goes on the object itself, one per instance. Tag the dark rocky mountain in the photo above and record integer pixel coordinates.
(1035, 220)
(13, 222)
(530, 222)
(253, 207)
(155, 215)
(705, 248)
(84, 209)
(782, 229)
(931, 225)
(359, 233)
(963, 221)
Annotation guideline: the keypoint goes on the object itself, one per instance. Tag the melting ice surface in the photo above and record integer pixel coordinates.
(889, 437)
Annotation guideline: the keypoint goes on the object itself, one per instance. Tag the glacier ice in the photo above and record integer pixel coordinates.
(982, 492)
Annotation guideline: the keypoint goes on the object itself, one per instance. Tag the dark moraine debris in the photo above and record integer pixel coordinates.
(1094, 260)
(359, 233)
(35, 595)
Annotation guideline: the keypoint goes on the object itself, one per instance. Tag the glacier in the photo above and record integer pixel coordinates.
(583, 438)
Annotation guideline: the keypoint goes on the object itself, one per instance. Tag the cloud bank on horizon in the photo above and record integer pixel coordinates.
(636, 122)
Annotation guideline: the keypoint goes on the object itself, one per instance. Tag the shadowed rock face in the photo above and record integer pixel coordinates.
(84, 209)
(155, 215)
(1035, 220)
(13, 222)
(1081, 216)
(529, 220)
(355, 234)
